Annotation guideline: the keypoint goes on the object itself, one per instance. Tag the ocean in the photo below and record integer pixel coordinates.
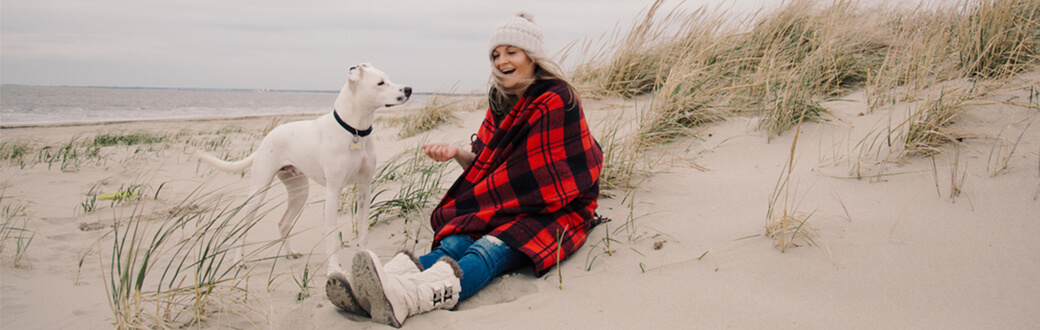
(44, 105)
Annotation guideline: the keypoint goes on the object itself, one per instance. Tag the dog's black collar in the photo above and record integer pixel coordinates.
(349, 128)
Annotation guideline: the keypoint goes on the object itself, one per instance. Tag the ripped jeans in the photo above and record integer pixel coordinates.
(480, 260)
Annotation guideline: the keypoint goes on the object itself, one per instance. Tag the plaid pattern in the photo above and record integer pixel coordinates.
(534, 182)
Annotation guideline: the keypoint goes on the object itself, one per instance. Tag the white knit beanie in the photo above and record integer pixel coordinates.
(518, 31)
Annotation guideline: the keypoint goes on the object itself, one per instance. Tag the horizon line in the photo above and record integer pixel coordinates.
(261, 90)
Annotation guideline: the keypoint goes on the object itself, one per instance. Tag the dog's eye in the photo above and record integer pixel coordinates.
(381, 83)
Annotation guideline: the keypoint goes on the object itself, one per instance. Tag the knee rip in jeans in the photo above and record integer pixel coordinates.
(494, 240)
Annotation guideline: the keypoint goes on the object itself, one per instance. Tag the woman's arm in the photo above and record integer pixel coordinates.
(442, 152)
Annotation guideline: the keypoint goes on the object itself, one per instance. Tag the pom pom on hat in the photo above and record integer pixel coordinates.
(518, 31)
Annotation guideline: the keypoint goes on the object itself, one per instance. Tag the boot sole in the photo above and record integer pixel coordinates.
(370, 285)
(338, 290)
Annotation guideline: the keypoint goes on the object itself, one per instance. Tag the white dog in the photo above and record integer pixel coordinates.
(333, 150)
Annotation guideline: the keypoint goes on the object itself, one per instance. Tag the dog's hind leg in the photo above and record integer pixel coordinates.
(262, 175)
(296, 187)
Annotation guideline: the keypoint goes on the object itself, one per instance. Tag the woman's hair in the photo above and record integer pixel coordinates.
(502, 99)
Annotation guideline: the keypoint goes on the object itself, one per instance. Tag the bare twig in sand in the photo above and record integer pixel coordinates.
(559, 250)
(935, 176)
(955, 184)
(848, 216)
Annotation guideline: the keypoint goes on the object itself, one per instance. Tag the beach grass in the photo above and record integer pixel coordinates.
(128, 139)
(1003, 149)
(177, 271)
(606, 244)
(66, 155)
(785, 226)
(15, 152)
(928, 128)
(70, 155)
(705, 66)
(628, 65)
(702, 67)
(15, 227)
(415, 182)
(419, 180)
(624, 160)
(998, 38)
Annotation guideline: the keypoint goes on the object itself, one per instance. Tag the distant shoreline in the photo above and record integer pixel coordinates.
(28, 106)
(145, 120)
(251, 90)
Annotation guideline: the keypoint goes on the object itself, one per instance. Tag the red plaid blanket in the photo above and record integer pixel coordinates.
(534, 182)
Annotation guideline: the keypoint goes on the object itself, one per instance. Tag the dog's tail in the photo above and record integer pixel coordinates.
(236, 166)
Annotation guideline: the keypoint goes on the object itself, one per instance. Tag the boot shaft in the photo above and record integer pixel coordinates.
(403, 263)
(435, 288)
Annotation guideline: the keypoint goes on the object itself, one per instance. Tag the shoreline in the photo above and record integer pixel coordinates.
(28, 108)
(149, 120)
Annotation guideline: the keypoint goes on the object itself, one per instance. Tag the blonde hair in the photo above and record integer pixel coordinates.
(544, 69)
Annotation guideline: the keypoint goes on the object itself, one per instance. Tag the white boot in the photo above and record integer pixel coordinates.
(395, 297)
(340, 293)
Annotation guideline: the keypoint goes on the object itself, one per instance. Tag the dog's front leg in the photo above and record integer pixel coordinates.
(364, 200)
(332, 244)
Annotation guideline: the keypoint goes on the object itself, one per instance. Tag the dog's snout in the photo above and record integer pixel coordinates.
(408, 92)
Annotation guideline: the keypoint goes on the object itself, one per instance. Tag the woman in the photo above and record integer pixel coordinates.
(526, 197)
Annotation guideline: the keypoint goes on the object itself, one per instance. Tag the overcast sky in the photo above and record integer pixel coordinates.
(429, 45)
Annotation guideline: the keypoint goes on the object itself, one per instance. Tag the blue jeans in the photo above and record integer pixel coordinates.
(480, 260)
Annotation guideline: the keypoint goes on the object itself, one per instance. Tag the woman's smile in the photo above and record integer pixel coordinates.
(513, 64)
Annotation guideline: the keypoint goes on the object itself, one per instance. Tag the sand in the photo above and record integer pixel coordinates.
(896, 249)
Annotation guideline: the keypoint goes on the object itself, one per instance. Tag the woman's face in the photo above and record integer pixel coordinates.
(513, 63)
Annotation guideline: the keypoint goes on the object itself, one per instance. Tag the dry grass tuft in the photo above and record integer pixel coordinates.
(785, 228)
(788, 230)
(928, 128)
(623, 160)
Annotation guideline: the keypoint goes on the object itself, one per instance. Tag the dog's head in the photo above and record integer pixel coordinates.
(372, 87)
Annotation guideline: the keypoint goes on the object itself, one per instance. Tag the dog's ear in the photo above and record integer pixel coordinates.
(356, 72)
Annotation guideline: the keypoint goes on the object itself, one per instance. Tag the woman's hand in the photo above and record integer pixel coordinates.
(442, 152)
